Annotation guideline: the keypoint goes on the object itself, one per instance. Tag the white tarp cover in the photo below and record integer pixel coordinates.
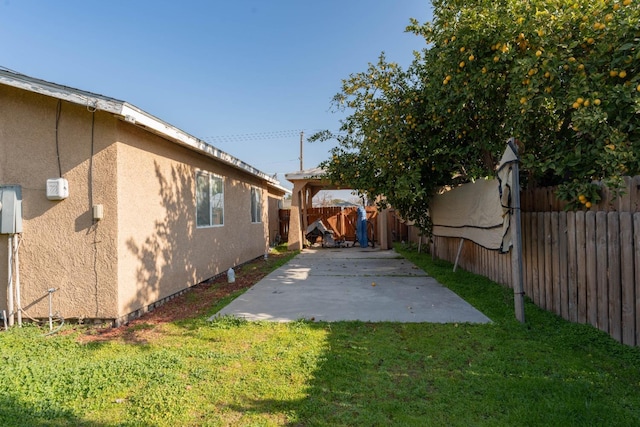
(478, 211)
(472, 211)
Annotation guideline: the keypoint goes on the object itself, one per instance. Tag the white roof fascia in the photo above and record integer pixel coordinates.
(131, 114)
(90, 100)
(315, 173)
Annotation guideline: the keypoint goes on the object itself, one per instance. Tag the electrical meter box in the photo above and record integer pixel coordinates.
(10, 209)
(57, 189)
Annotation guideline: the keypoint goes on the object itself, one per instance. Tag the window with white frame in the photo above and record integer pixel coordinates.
(209, 200)
(256, 205)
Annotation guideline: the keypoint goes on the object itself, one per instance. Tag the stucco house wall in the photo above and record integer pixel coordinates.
(147, 246)
(159, 246)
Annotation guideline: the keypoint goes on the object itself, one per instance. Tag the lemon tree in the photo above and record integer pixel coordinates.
(560, 76)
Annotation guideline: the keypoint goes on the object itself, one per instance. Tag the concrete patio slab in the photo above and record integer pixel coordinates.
(351, 284)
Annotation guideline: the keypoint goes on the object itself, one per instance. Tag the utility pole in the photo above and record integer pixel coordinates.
(301, 139)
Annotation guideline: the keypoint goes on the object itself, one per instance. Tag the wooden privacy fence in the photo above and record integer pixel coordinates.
(583, 266)
(342, 221)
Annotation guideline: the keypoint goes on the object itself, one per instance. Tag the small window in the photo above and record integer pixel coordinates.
(209, 200)
(256, 205)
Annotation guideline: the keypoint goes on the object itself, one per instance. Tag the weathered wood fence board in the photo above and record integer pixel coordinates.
(564, 266)
(581, 271)
(591, 268)
(636, 263)
(572, 255)
(613, 250)
(601, 271)
(627, 277)
(584, 266)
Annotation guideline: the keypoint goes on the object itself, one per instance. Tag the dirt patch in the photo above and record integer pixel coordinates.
(193, 303)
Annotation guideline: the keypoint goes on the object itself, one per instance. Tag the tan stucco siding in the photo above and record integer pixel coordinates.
(147, 246)
(60, 247)
(161, 251)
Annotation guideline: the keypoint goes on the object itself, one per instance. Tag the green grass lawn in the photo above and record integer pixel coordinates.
(193, 372)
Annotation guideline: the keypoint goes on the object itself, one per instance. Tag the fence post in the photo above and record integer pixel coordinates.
(516, 236)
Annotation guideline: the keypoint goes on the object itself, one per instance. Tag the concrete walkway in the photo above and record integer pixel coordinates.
(351, 284)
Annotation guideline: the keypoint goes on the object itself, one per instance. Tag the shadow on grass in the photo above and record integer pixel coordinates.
(545, 372)
(17, 413)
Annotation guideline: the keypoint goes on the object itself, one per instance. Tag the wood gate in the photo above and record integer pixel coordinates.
(342, 221)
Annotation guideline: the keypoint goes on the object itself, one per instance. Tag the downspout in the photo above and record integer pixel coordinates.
(16, 244)
(10, 282)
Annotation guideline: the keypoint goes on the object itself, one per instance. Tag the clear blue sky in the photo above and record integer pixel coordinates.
(245, 75)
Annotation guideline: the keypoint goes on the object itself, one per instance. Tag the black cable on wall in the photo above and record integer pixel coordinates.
(58, 113)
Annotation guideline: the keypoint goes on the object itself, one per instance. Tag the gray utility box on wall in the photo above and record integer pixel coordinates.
(10, 209)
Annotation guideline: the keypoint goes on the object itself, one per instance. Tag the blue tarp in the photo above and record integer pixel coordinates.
(361, 227)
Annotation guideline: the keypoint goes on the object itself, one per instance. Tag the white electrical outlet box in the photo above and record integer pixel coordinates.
(57, 189)
(98, 212)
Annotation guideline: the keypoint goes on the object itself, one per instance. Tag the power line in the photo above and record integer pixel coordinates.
(257, 136)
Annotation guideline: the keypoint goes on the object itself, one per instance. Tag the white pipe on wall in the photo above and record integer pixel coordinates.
(10, 282)
(16, 244)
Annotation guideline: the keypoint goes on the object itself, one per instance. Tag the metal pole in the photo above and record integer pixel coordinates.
(455, 266)
(516, 238)
(51, 291)
(301, 145)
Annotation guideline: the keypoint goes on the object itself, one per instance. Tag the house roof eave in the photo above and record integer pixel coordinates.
(136, 116)
(131, 114)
